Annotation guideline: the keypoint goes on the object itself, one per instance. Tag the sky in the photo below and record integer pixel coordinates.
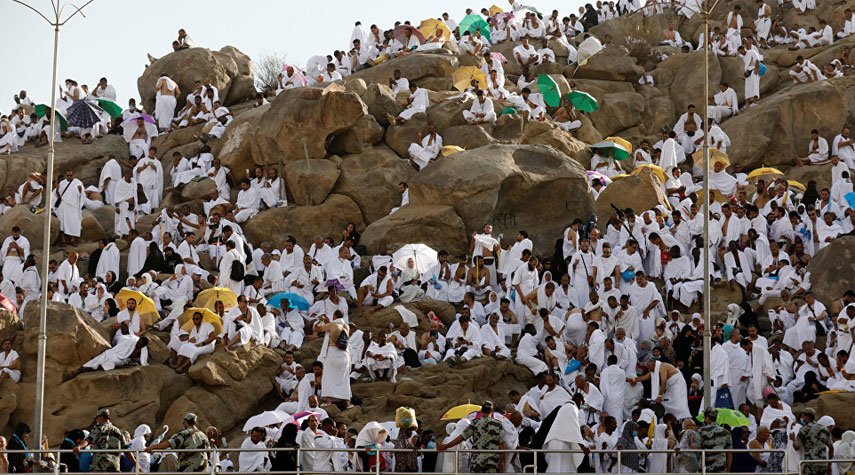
(113, 38)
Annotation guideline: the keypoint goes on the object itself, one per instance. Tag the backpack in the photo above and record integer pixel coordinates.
(237, 273)
(342, 340)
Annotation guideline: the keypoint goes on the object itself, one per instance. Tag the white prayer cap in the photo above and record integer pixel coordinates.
(277, 252)
(92, 189)
(141, 430)
(449, 428)
(226, 464)
(826, 421)
(197, 272)
(696, 315)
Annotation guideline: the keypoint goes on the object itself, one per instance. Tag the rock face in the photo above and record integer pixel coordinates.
(530, 187)
(304, 222)
(640, 192)
(407, 225)
(835, 268)
(309, 182)
(611, 64)
(371, 180)
(413, 67)
(229, 70)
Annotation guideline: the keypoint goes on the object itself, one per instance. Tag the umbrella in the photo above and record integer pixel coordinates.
(762, 172)
(549, 89)
(432, 28)
(716, 156)
(605, 179)
(334, 283)
(423, 256)
(145, 305)
(266, 418)
(400, 34)
(588, 48)
(619, 152)
(129, 126)
(460, 412)
(110, 107)
(499, 57)
(473, 23)
(850, 199)
(462, 77)
(509, 110)
(294, 301)
(730, 417)
(796, 185)
(207, 316)
(583, 101)
(207, 298)
(84, 113)
(297, 419)
(717, 197)
(495, 10)
(658, 171)
(300, 75)
(41, 110)
(451, 150)
(7, 304)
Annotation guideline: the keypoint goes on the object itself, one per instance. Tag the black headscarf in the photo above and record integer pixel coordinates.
(627, 442)
(590, 19)
(154, 260)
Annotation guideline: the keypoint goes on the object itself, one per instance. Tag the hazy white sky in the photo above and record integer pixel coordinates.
(114, 37)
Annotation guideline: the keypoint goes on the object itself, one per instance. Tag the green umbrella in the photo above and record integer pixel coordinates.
(729, 417)
(549, 89)
(472, 23)
(111, 107)
(509, 110)
(41, 110)
(618, 152)
(583, 101)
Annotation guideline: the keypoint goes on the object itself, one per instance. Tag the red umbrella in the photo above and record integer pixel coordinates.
(7, 304)
(401, 36)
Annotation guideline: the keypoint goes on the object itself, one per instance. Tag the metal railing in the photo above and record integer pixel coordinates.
(214, 454)
(802, 463)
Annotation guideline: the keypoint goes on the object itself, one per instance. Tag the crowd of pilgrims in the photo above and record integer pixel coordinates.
(604, 319)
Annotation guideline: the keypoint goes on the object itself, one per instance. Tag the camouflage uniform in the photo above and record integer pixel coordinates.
(814, 440)
(486, 433)
(106, 436)
(190, 438)
(714, 436)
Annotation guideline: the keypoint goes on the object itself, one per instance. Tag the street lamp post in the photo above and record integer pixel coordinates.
(54, 19)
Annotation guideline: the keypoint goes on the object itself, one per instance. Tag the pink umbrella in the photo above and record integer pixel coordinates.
(400, 34)
(606, 180)
(477, 415)
(145, 117)
(7, 304)
(297, 419)
(499, 57)
(300, 75)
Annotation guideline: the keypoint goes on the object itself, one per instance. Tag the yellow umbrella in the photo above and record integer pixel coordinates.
(761, 172)
(451, 150)
(207, 298)
(717, 196)
(463, 77)
(658, 171)
(495, 10)
(432, 28)
(796, 185)
(186, 319)
(716, 156)
(620, 175)
(622, 142)
(459, 412)
(145, 305)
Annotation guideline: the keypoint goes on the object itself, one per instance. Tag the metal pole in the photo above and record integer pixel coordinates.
(377, 465)
(708, 398)
(42, 343)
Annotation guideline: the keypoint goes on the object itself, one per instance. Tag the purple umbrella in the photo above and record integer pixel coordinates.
(606, 180)
(334, 283)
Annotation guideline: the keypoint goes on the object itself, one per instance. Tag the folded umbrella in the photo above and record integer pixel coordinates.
(462, 77)
(400, 34)
(583, 101)
(145, 306)
(294, 301)
(84, 113)
(473, 23)
(110, 107)
(549, 89)
(423, 256)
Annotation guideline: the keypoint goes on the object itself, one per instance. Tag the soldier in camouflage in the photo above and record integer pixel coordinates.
(813, 440)
(486, 433)
(714, 436)
(189, 438)
(105, 436)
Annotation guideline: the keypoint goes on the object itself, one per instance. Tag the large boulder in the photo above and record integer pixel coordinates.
(229, 70)
(365, 133)
(235, 148)
(547, 133)
(32, 225)
(640, 192)
(413, 67)
(304, 222)
(531, 187)
(618, 111)
(682, 75)
(408, 225)
(834, 268)
(381, 103)
(371, 180)
(778, 130)
(611, 64)
(310, 181)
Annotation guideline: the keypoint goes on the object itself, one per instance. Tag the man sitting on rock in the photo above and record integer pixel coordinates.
(481, 111)
(817, 151)
(381, 359)
(376, 290)
(128, 349)
(418, 104)
(426, 149)
(464, 339)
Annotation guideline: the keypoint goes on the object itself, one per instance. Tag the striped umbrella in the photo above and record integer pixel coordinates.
(84, 114)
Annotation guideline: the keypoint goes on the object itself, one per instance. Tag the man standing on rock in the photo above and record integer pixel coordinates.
(335, 380)
(68, 199)
(189, 438)
(751, 65)
(105, 436)
(164, 106)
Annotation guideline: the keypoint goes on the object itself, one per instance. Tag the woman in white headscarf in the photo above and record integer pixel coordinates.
(372, 435)
(142, 435)
(410, 289)
(846, 450)
(101, 294)
(658, 462)
(446, 459)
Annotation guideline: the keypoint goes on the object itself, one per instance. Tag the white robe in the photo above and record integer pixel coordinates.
(70, 209)
(675, 399)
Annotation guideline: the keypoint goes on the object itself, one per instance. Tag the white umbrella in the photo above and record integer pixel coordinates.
(423, 256)
(129, 128)
(588, 48)
(266, 418)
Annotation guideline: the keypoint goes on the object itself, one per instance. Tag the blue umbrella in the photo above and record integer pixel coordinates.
(84, 114)
(294, 301)
(850, 198)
